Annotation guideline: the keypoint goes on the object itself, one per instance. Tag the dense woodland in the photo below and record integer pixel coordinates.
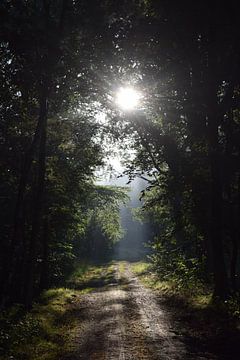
(61, 64)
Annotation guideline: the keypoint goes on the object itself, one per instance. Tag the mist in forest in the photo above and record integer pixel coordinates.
(137, 234)
(133, 245)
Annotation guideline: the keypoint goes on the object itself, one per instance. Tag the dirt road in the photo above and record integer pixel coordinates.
(123, 320)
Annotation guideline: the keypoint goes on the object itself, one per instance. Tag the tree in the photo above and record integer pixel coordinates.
(47, 63)
(185, 62)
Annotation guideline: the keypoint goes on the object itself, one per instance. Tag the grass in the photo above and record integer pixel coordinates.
(92, 277)
(198, 317)
(122, 267)
(44, 332)
(198, 296)
(36, 334)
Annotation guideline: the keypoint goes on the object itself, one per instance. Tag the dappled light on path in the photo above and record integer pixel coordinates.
(123, 320)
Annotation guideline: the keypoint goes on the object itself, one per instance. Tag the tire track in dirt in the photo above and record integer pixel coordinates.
(123, 321)
(155, 322)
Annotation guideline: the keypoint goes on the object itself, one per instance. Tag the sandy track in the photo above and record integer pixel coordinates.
(123, 320)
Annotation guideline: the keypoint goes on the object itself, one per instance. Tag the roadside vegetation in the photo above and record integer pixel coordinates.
(194, 303)
(44, 332)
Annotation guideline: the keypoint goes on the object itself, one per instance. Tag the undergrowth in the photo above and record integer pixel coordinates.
(43, 333)
(194, 294)
(36, 334)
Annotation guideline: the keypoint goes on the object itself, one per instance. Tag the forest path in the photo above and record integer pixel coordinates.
(122, 319)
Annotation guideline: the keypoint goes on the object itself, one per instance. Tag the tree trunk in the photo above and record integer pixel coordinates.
(38, 205)
(17, 240)
(236, 242)
(233, 265)
(44, 276)
(233, 217)
(51, 62)
(221, 288)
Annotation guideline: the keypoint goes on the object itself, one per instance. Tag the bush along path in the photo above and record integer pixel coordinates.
(113, 312)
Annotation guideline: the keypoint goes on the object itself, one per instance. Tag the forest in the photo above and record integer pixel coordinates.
(158, 83)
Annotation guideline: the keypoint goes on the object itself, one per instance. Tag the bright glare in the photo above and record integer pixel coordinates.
(127, 98)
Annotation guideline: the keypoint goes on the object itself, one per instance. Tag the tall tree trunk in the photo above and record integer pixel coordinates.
(17, 240)
(214, 117)
(38, 205)
(220, 273)
(230, 180)
(44, 276)
(235, 250)
(221, 287)
(38, 142)
(233, 265)
(51, 62)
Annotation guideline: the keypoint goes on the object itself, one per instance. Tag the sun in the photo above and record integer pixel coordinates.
(127, 98)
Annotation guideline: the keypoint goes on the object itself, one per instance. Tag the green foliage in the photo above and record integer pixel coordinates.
(233, 305)
(172, 265)
(103, 219)
(175, 256)
(45, 332)
(17, 329)
(39, 334)
(50, 56)
(186, 135)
